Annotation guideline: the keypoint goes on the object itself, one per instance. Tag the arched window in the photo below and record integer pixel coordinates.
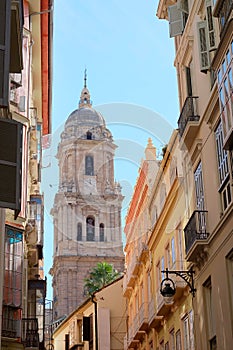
(89, 135)
(90, 228)
(79, 232)
(101, 232)
(89, 165)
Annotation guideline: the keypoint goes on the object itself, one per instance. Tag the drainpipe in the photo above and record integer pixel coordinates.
(96, 322)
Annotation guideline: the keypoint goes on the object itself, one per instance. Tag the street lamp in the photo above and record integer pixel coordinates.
(168, 288)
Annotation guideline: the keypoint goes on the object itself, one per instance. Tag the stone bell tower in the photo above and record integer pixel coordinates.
(87, 207)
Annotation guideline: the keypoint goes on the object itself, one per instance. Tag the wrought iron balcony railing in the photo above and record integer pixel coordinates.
(188, 113)
(11, 321)
(30, 335)
(196, 229)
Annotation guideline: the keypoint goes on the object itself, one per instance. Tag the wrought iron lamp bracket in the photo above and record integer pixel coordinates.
(187, 276)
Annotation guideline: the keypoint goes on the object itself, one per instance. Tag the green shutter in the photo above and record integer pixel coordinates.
(5, 25)
(176, 23)
(210, 25)
(203, 46)
(10, 164)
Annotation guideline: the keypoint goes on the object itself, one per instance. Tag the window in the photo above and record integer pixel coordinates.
(163, 195)
(101, 232)
(229, 265)
(173, 250)
(206, 37)
(11, 133)
(89, 135)
(178, 340)
(186, 333)
(172, 339)
(224, 13)
(167, 346)
(149, 286)
(79, 232)
(67, 342)
(162, 267)
(225, 89)
(12, 289)
(209, 312)
(199, 187)
(158, 274)
(161, 345)
(180, 248)
(13, 267)
(168, 253)
(89, 165)
(90, 222)
(191, 330)
(210, 25)
(189, 80)
(223, 170)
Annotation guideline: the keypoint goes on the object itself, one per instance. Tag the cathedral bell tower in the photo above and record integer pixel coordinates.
(87, 207)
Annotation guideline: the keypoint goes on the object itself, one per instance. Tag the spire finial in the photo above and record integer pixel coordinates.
(85, 77)
(85, 100)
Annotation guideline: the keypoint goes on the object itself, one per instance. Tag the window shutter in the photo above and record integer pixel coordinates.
(10, 164)
(203, 46)
(183, 6)
(176, 23)
(5, 20)
(210, 25)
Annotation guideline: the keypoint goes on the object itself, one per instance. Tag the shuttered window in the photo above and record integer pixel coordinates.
(5, 20)
(210, 25)
(10, 164)
(176, 24)
(199, 187)
(203, 46)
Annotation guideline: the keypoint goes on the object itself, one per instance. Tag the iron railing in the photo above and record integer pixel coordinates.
(30, 334)
(196, 229)
(188, 113)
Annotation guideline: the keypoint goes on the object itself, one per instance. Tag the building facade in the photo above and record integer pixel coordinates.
(203, 35)
(87, 206)
(153, 321)
(98, 323)
(25, 107)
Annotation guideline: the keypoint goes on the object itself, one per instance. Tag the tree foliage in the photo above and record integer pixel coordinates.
(100, 276)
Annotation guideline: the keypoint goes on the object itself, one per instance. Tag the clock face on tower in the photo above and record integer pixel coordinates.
(90, 185)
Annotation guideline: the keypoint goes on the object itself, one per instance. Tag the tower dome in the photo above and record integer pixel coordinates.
(85, 119)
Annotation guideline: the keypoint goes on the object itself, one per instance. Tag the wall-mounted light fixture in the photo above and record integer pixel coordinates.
(168, 288)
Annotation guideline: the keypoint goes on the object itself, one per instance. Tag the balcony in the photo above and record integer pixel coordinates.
(143, 317)
(126, 289)
(132, 271)
(30, 335)
(162, 308)
(11, 322)
(143, 251)
(189, 120)
(196, 234)
(35, 220)
(154, 321)
(131, 341)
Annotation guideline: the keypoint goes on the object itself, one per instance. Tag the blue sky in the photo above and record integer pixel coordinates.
(131, 78)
